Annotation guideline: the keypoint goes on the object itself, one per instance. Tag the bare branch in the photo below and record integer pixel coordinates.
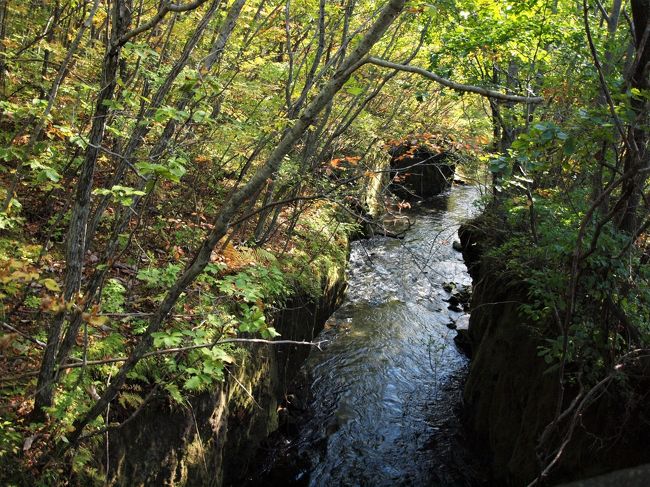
(479, 90)
(603, 82)
(23, 334)
(168, 351)
(602, 11)
(164, 10)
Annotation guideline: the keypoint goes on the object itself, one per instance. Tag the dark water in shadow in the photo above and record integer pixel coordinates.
(385, 391)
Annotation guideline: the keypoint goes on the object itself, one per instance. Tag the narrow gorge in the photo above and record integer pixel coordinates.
(324, 243)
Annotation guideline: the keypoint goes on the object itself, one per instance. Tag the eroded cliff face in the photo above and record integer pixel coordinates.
(213, 440)
(508, 399)
(511, 396)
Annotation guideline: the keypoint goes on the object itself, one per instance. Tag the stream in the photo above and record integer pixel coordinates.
(383, 396)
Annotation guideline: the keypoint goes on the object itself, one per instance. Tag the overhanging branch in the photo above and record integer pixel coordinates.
(479, 90)
(168, 351)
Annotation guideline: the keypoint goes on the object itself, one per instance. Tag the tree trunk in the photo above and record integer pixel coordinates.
(235, 201)
(3, 32)
(76, 239)
(638, 160)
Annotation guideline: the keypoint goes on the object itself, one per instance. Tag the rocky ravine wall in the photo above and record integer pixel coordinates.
(213, 441)
(509, 397)
(422, 172)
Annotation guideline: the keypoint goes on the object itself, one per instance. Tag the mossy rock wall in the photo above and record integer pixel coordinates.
(510, 396)
(213, 441)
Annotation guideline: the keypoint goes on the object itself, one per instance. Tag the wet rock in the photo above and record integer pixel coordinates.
(462, 323)
(460, 296)
(283, 416)
(418, 172)
(214, 442)
(463, 294)
(394, 225)
(449, 286)
(510, 397)
(390, 227)
(463, 342)
(631, 477)
(459, 299)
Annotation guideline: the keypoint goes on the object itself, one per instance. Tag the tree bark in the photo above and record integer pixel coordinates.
(3, 32)
(76, 239)
(234, 202)
(639, 159)
(479, 90)
(224, 34)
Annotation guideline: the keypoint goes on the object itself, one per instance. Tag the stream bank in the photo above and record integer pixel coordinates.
(511, 395)
(212, 441)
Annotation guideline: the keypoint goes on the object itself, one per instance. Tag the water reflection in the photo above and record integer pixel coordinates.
(384, 392)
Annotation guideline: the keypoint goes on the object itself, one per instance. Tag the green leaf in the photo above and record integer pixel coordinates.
(193, 383)
(174, 393)
(270, 333)
(569, 146)
(51, 173)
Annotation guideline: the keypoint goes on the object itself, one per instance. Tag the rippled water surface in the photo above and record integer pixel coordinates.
(386, 388)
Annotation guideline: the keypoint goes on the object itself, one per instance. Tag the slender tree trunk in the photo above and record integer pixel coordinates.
(608, 66)
(49, 38)
(639, 159)
(309, 81)
(235, 201)
(3, 33)
(228, 25)
(76, 238)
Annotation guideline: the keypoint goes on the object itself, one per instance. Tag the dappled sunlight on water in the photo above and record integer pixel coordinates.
(385, 390)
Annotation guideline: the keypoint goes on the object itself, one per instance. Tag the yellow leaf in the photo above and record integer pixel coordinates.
(51, 284)
(23, 276)
(97, 320)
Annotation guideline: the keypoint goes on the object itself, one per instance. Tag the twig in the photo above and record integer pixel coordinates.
(603, 82)
(23, 334)
(245, 390)
(578, 408)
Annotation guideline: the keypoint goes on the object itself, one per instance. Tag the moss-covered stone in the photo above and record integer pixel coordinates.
(213, 440)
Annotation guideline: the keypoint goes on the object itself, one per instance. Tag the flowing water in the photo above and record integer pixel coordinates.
(385, 391)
